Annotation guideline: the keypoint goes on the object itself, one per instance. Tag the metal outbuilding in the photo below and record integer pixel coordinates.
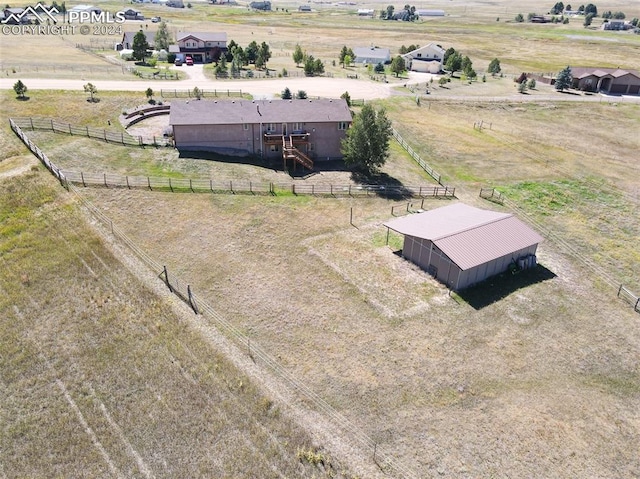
(461, 245)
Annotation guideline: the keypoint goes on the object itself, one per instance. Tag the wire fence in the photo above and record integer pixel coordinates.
(567, 246)
(379, 455)
(200, 93)
(209, 185)
(430, 171)
(119, 137)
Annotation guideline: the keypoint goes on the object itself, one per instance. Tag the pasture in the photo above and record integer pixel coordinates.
(525, 377)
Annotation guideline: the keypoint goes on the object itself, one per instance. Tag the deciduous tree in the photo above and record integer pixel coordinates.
(494, 67)
(91, 89)
(298, 55)
(397, 65)
(366, 146)
(163, 37)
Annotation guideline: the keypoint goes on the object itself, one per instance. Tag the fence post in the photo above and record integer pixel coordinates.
(170, 187)
(127, 180)
(231, 186)
(191, 185)
(192, 302)
(31, 120)
(149, 182)
(211, 185)
(105, 180)
(166, 279)
(87, 129)
(619, 289)
(82, 178)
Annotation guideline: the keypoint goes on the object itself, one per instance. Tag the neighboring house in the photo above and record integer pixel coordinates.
(85, 8)
(14, 16)
(127, 39)
(203, 47)
(427, 59)
(429, 13)
(265, 5)
(299, 130)
(371, 55)
(131, 14)
(616, 25)
(365, 12)
(608, 80)
(175, 4)
(461, 245)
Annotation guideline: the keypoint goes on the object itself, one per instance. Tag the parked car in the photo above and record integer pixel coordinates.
(189, 61)
(178, 62)
(156, 19)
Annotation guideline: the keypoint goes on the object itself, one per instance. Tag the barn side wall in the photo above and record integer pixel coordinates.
(481, 272)
(429, 257)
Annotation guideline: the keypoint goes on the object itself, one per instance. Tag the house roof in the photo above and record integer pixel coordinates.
(372, 52)
(583, 72)
(431, 47)
(128, 37)
(203, 36)
(203, 112)
(468, 236)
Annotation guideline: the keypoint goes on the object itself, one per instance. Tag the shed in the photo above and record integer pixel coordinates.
(461, 245)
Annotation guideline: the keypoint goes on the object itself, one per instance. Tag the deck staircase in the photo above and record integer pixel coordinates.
(290, 152)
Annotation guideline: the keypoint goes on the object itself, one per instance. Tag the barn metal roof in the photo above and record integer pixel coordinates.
(469, 236)
(202, 112)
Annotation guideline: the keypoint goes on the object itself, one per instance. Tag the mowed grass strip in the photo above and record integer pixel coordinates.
(99, 376)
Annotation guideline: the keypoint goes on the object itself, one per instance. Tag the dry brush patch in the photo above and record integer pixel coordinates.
(512, 386)
(99, 375)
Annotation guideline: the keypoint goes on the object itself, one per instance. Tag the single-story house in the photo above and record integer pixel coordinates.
(299, 130)
(371, 55)
(85, 8)
(609, 80)
(616, 25)
(131, 14)
(203, 47)
(461, 245)
(127, 39)
(15, 16)
(262, 5)
(365, 12)
(429, 13)
(427, 59)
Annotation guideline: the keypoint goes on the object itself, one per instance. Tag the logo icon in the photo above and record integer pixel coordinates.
(40, 12)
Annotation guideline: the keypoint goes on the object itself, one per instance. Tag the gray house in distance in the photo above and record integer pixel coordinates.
(301, 131)
(461, 245)
(371, 55)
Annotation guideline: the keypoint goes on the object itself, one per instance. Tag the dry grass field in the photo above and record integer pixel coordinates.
(103, 374)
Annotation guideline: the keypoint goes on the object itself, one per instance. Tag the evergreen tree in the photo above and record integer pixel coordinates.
(564, 79)
(346, 97)
(286, 94)
(140, 46)
(20, 88)
(366, 146)
(494, 67)
(251, 52)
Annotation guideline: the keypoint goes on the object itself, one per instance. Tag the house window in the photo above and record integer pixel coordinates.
(271, 127)
(297, 127)
(311, 147)
(419, 55)
(342, 125)
(273, 148)
(245, 126)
